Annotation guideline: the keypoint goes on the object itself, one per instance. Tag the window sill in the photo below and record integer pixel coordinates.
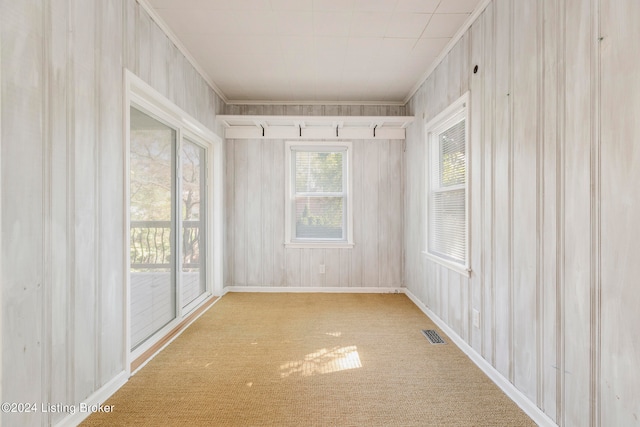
(466, 272)
(318, 245)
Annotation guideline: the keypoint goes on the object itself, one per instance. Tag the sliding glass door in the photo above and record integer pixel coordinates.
(153, 223)
(168, 224)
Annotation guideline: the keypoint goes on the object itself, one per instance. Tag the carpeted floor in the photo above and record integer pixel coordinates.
(262, 359)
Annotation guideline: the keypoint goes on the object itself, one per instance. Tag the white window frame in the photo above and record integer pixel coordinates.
(290, 240)
(457, 111)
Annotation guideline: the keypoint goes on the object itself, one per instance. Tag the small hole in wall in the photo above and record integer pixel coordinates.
(475, 69)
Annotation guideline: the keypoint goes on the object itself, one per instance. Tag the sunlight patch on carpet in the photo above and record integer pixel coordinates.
(323, 361)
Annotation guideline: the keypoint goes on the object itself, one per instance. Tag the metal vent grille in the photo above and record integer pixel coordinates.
(433, 336)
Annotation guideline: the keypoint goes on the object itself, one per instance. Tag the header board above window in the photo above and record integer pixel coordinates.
(314, 127)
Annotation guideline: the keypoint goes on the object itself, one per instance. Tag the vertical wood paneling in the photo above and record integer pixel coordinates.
(332, 267)
(384, 209)
(143, 44)
(463, 284)
(440, 98)
(111, 167)
(266, 218)
(229, 220)
(620, 210)
(345, 268)
(23, 79)
(412, 255)
(229, 217)
(476, 125)
(488, 185)
(306, 267)
(525, 197)
(316, 258)
(442, 280)
(549, 169)
(453, 291)
(292, 267)
(358, 204)
(254, 210)
(502, 325)
(85, 186)
(60, 258)
(240, 210)
(160, 59)
(130, 39)
(577, 219)
(395, 170)
(316, 110)
(370, 215)
(277, 211)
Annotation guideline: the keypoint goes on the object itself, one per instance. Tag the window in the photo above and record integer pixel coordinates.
(447, 173)
(318, 209)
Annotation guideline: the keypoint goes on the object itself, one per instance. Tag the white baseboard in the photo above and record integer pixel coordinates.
(312, 289)
(98, 398)
(505, 385)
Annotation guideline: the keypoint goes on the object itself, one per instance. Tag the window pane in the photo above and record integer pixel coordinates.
(152, 273)
(318, 172)
(452, 156)
(319, 217)
(193, 283)
(447, 225)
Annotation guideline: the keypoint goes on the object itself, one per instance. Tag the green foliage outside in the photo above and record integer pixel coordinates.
(452, 152)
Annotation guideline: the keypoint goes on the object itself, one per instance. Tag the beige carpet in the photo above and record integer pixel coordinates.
(259, 359)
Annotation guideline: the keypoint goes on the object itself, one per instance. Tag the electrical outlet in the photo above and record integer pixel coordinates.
(321, 268)
(476, 318)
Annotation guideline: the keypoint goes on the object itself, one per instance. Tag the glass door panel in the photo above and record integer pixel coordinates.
(152, 233)
(193, 221)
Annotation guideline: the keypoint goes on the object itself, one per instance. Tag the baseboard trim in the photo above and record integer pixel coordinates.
(97, 398)
(313, 289)
(507, 387)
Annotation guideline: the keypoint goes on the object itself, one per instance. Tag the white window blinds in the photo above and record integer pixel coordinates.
(447, 214)
(319, 194)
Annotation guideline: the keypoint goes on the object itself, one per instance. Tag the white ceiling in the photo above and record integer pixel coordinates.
(315, 50)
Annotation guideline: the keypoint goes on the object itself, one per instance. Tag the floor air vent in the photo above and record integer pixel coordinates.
(433, 336)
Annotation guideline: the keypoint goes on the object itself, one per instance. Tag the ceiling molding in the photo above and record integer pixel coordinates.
(314, 127)
(176, 41)
(454, 40)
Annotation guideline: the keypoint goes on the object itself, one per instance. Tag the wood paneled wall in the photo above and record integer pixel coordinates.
(255, 199)
(62, 164)
(554, 203)
(316, 110)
